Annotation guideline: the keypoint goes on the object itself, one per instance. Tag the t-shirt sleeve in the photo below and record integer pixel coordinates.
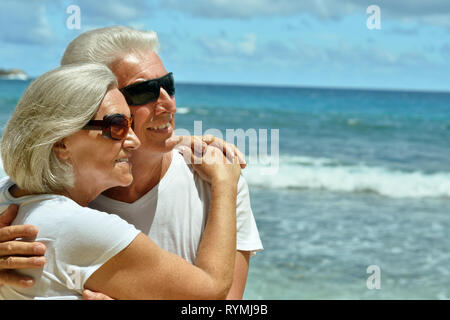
(88, 240)
(247, 232)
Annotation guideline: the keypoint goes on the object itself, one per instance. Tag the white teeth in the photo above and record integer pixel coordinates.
(122, 160)
(161, 126)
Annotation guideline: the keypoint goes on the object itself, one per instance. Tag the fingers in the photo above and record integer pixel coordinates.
(10, 262)
(214, 155)
(189, 156)
(198, 145)
(19, 231)
(8, 215)
(14, 248)
(91, 295)
(187, 153)
(11, 250)
(185, 141)
(15, 280)
(240, 157)
(229, 149)
(194, 142)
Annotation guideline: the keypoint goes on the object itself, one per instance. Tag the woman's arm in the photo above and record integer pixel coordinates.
(240, 275)
(145, 271)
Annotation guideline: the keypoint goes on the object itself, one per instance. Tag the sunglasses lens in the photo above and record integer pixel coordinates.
(148, 91)
(141, 93)
(119, 127)
(168, 84)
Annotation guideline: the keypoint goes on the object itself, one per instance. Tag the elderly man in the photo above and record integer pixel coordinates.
(166, 200)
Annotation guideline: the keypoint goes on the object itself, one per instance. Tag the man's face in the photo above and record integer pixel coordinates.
(148, 118)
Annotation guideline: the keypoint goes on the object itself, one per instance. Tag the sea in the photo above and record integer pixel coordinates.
(350, 188)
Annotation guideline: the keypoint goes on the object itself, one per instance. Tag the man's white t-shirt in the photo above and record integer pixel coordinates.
(174, 212)
(79, 240)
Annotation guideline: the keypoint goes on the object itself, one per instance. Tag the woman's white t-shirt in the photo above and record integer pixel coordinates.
(79, 240)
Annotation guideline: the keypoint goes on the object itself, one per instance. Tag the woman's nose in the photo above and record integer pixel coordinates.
(131, 142)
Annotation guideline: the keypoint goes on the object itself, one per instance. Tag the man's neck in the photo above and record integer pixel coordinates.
(148, 169)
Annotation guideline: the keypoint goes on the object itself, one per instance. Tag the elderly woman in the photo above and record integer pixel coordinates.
(69, 139)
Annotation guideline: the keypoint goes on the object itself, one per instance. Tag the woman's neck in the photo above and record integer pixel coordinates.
(82, 197)
(16, 192)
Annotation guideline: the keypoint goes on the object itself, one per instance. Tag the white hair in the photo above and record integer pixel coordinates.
(54, 106)
(109, 44)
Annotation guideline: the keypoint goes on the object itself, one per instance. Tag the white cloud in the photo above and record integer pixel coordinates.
(113, 10)
(253, 8)
(217, 46)
(436, 12)
(248, 44)
(302, 55)
(220, 46)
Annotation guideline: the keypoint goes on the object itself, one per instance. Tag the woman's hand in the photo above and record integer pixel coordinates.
(198, 145)
(213, 166)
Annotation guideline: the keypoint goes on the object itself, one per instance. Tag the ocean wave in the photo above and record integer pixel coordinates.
(183, 110)
(356, 123)
(301, 173)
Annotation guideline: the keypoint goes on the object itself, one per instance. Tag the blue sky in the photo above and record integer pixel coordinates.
(320, 43)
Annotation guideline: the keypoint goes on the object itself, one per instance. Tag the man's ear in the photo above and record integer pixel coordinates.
(61, 150)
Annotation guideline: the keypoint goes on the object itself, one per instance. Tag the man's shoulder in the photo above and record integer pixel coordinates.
(179, 163)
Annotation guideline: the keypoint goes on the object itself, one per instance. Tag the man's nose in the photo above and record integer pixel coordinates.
(165, 103)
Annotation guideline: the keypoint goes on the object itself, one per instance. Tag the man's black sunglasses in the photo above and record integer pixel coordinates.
(114, 126)
(144, 92)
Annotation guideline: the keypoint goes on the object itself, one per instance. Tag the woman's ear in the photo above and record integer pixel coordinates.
(61, 150)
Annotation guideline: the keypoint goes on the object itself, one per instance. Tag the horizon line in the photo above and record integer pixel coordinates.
(324, 87)
(305, 86)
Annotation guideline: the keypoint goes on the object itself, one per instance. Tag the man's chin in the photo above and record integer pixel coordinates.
(164, 146)
(171, 142)
(160, 142)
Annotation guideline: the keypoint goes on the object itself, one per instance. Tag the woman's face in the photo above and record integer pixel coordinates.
(100, 163)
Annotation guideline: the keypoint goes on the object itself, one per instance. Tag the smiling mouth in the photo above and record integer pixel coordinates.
(122, 160)
(163, 126)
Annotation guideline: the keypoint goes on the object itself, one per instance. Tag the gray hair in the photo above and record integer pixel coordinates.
(54, 106)
(109, 44)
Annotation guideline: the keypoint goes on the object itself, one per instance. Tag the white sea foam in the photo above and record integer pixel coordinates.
(183, 110)
(325, 174)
